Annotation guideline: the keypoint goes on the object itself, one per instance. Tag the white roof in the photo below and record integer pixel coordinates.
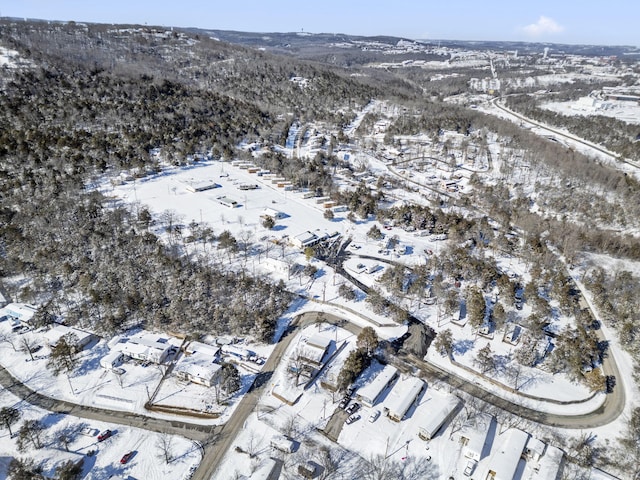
(306, 237)
(505, 459)
(198, 365)
(22, 311)
(550, 464)
(402, 395)
(476, 431)
(204, 348)
(271, 212)
(310, 352)
(151, 340)
(319, 341)
(536, 446)
(372, 390)
(54, 334)
(441, 405)
(111, 356)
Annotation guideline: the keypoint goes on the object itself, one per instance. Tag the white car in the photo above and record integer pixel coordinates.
(374, 416)
(468, 470)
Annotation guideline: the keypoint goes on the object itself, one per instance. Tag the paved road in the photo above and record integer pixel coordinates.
(217, 440)
(560, 133)
(189, 430)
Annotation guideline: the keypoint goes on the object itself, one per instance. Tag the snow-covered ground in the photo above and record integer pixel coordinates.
(364, 443)
(626, 111)
(147, 461)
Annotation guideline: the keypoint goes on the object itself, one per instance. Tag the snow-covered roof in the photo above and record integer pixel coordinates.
(306, 238)
(402, 396)
(272, 212)
(475, 430)
(151, 340)
(233, 350)
(504, 462)
(311, 352)
(536, 446)
(198, 365)
(370, 392)
(442, 405)
(199, 347)
(20, 311)
(319, 341)
(110, 357)
(149, 345)
(549, 464)
(53, 335)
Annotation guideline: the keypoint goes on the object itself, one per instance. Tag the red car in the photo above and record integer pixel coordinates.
(104, 435)
(125, 458)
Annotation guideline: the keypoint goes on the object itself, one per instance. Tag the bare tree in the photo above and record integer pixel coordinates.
(30, 434)
(28, 345)
(9, 416)
(10, 339)
(164, 443)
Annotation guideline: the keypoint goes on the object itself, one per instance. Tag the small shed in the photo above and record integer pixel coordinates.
(550, 466)
(111, 360)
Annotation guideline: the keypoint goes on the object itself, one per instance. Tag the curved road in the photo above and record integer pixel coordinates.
(217, 440)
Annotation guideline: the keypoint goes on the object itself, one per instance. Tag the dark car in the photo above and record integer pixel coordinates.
(104, 435)
(126, 457)
(344, 402)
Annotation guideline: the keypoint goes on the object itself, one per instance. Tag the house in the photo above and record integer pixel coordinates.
(273, 213)
(237, 352)
(402, 396)
(443, 407)
(198, 367)
(370, 393)
(21, 312)
(474, 433)
(314, 349)
(504, 462)
(200, 185)
(148, 347)
(227, 202)
(248, 186)
(112, 360)
(53, 336)
(306, 239)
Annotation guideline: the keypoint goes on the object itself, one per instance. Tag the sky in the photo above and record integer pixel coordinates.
(566, 21)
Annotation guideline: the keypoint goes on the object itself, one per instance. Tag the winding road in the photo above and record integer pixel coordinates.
(217, 440)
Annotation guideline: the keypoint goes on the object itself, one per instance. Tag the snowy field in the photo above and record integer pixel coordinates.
(147, 461)
(626, 111)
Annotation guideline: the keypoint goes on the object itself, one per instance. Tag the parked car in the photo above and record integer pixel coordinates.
(374, 416)
(125, 458)
(352, 418)
(104, 435)
(344, 402)
(354, 407)
(468, 470)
